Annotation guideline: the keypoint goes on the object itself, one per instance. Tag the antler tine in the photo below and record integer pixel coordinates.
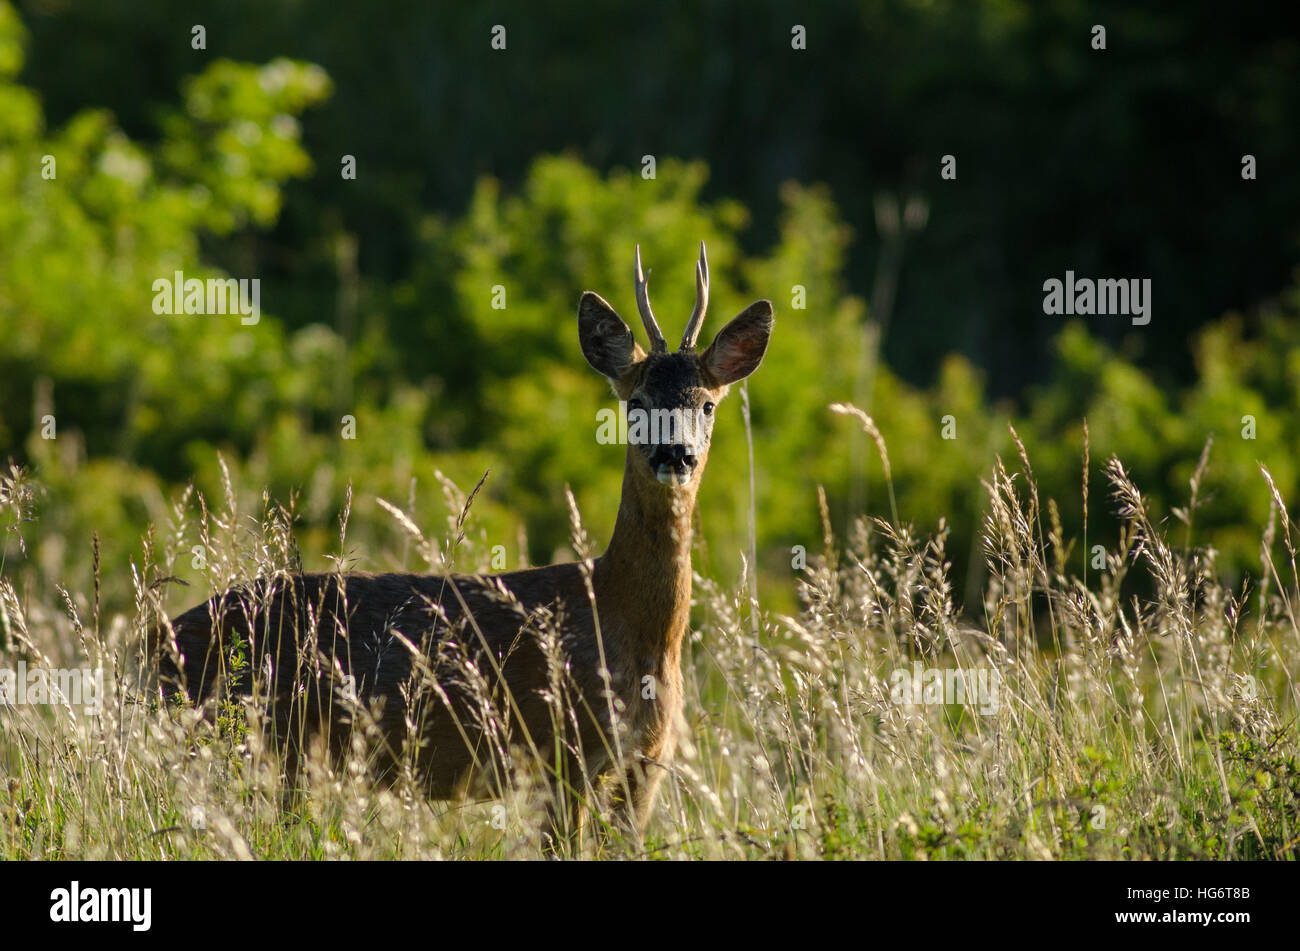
(657, 341)
(701, 300)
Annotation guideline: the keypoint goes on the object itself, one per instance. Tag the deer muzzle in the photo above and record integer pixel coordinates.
(673, 464)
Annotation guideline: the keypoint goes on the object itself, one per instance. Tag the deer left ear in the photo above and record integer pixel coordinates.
(738, 348)
(606, 340)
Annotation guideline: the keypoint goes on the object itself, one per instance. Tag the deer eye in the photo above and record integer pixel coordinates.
(634, 403)
(708, 409)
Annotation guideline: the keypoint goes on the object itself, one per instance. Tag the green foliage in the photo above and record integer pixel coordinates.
(443, 382)
(1107, 162)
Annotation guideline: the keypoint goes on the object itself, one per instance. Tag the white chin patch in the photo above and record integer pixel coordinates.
(667, 475)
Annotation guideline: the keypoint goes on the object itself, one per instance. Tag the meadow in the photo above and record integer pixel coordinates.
(1155, 726)
(940, 480)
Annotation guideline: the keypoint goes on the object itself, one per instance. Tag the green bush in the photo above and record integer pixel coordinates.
(144, 403)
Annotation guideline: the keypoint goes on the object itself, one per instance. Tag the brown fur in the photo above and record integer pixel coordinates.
(316, 630)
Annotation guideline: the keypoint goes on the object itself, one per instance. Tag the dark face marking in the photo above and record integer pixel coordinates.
(675, 398)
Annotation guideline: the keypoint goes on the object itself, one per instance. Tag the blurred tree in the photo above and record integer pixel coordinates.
(399, 332)
(1123, 162)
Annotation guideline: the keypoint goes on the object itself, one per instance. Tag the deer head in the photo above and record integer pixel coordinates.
(671, 397)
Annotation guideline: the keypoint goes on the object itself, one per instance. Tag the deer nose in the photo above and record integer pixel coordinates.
(674, 456)
(682, 455)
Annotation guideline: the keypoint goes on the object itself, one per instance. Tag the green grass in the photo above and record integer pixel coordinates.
(1147, 713)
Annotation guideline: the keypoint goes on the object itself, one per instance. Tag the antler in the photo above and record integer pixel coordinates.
(657, 341)
(701, 301)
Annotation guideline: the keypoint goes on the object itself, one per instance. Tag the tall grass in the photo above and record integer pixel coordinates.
(1147, 713)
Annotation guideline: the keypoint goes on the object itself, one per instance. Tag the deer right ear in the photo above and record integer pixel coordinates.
(738, 348)
(607, 342)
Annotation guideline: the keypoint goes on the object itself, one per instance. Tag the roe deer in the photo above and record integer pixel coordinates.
(456, 670)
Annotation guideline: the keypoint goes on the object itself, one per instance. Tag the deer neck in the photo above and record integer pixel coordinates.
(643, 581)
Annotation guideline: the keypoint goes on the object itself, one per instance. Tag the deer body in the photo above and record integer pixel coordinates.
(464, 669)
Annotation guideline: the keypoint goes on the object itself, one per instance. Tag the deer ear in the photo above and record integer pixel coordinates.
(738, 348)
(606, 340)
